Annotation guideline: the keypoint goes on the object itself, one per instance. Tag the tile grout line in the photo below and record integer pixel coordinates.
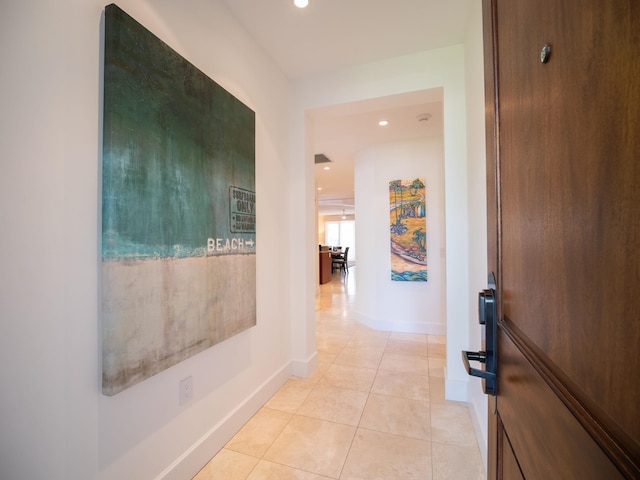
(357, 427)
(346, 326)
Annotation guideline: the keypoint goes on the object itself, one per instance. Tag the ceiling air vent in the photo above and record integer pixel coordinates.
(321, 158)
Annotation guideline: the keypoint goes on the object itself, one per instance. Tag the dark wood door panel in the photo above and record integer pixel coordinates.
(509, 463)
(547, 439)
(569, 135)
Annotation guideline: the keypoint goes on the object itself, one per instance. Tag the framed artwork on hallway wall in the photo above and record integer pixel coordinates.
(408, 230)
(178, 208)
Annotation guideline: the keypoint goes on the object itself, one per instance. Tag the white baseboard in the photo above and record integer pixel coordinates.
(480, 436)
(456, 390)
(305, 368)
(196, 456)
(479, 410)
(460, 391)
(402, 327)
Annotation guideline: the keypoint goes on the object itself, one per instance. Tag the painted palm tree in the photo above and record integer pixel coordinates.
(416, 185)
(420, 238)
(396, 186)
(398, 227)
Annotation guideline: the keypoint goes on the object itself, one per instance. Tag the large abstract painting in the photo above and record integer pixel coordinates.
(408, 227)
(178, 208)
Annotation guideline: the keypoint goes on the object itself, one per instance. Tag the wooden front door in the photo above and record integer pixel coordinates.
(563, 162)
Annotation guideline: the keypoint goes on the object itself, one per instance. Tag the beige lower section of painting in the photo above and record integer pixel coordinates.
(159, 312)
(400, 265)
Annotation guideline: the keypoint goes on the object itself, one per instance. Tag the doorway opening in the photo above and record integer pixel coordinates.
(342, 234)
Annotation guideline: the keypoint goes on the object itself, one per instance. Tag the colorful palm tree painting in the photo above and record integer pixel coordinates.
(408, 230)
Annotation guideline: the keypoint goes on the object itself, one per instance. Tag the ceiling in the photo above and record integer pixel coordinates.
(332, 34)
(341, 131)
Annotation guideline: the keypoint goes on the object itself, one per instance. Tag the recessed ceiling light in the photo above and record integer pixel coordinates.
(383, 123)
(327, 168)
(319, 188)
(301, 3)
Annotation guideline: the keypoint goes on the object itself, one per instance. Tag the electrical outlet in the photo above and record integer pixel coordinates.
(186, 390)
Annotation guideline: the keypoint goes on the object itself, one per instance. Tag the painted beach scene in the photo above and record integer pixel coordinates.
(408, 230)
(178, 208)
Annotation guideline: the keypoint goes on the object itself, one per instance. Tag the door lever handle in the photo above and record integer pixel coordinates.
(476, 356)
(475, 372)
(486, 317)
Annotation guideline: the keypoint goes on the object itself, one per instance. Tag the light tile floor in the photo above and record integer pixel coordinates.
(374, 409)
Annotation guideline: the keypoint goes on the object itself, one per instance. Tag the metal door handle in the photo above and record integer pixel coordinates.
(486, 317)
(477, 357)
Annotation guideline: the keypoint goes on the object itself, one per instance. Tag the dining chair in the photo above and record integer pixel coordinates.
(341, 262)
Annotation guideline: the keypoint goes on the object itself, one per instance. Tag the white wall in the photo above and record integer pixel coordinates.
(415, 307)
(474, 73)
(55, 422)
(442, 68)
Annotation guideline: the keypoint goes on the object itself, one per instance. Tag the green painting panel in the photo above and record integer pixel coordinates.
(178, 207)
(174, 141)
